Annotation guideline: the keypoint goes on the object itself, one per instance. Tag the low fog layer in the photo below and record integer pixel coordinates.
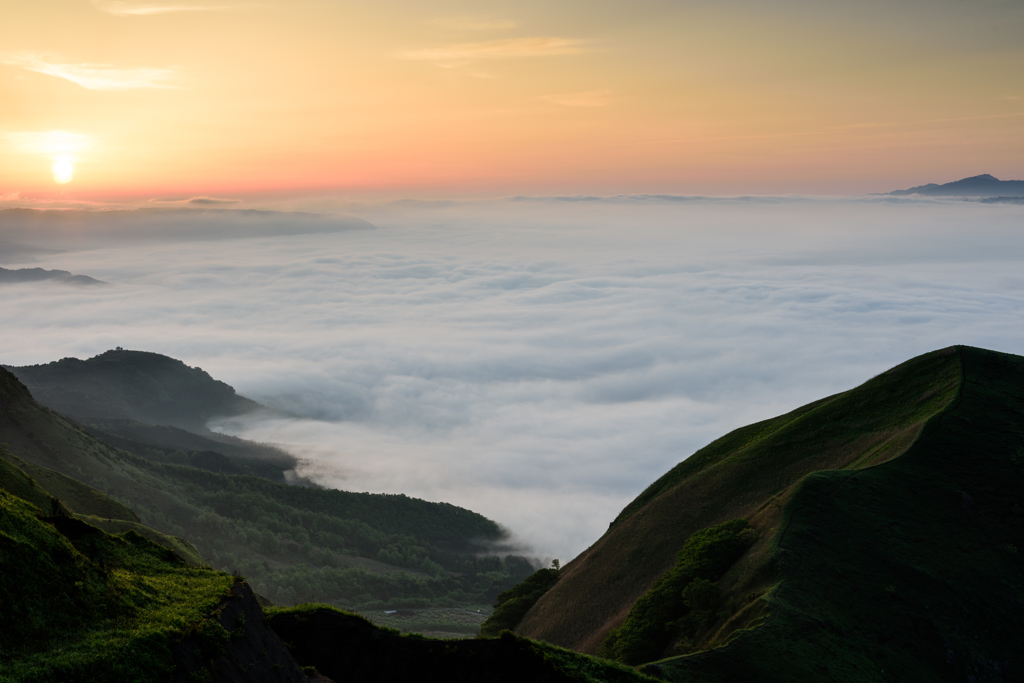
(23, 232)
(542, 361)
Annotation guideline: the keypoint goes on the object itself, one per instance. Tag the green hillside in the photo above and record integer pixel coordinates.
(911, 571)
(42, 486)
(747, 474)
(79, 604)
(866, 566)
(293, 543)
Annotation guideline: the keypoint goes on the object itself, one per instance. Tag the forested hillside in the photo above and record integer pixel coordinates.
(135, 385)
(294, 543)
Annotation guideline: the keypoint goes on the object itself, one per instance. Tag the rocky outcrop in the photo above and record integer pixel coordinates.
(234, 645)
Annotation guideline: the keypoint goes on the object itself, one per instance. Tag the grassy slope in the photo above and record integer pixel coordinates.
(910, 571)
(80, 605)
(748, 474)
(81, 499)
(38, 485)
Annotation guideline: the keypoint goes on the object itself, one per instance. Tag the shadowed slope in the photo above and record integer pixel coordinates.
(910, 571)
(747, 474)
(79, 605)
(346, 647)
(138, 385)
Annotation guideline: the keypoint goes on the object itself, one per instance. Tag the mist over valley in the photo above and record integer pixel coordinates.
(537, 360)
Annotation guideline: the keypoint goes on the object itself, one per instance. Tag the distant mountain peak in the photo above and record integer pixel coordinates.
(138, 385)
(984, 185)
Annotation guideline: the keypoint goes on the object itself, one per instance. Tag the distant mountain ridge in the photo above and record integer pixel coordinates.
(984, 185)
(39, 275)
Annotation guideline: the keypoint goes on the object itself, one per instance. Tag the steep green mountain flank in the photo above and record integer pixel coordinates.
(294, 543)
(514, 603)
(346, 647)
(749, 474)
(80, 498)
(136, 385)
(78, 604)
(683, 602)
(910, 571)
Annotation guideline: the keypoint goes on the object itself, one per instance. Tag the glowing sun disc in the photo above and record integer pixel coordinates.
(63, 171)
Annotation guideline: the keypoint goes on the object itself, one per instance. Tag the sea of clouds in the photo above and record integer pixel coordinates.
(539, 360)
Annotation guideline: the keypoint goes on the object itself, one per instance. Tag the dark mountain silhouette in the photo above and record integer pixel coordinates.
(135, 385)
(983, 185)
(38, 275)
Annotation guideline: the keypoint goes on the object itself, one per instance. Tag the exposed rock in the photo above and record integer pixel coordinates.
(236, 646)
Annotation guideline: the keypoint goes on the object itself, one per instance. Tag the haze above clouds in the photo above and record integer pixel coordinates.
(540, 361)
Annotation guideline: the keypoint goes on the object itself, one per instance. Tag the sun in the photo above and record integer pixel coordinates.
(63, 171)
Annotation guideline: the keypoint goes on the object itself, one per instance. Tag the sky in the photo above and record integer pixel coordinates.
(153, 102)
(538, 360)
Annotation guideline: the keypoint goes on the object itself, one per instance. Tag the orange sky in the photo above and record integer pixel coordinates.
(163, 100)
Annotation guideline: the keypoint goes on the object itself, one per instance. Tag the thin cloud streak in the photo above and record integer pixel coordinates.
(508, 48)
(93, 76)
(124, 9)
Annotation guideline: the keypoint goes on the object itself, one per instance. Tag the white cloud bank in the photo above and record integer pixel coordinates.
(543, 361)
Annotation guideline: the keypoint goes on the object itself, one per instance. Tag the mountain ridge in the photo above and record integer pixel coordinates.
(140, 385)
(20, 275)
(984, 185)
(749, 473)
(899, 558)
